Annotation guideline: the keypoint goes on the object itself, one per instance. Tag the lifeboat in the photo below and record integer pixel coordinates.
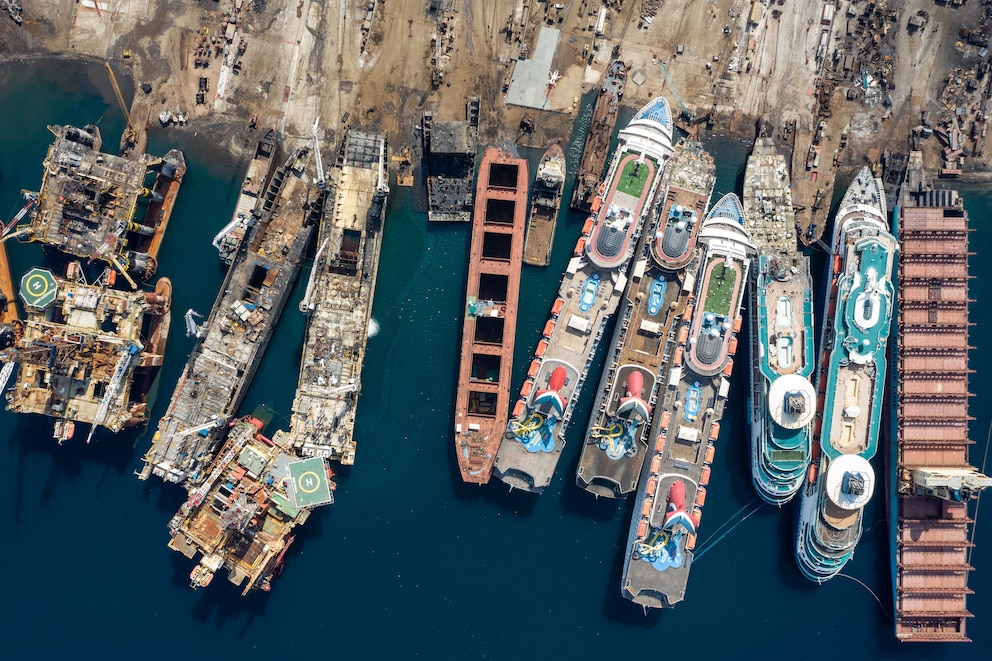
(677, 360)
(683, 334)
(535, 365)
(580, 246)
(812, 472)
(557, 306)
(729, 369)
(710, 453)
(646, 507)
(700, 496)
(697, 516)
(690, 543)
(732, 349)
(602, 188)
(518, 408)
(542, 346)
(652, 486)
(659, 445)
(665, 417)
(596, 203)
(642, 529)
(838, 263)
(525, 389)
(714, 431)
(704, 477)
(587, 228)
(687, 314)
(549, 328)
(656, 464)
(737, 323)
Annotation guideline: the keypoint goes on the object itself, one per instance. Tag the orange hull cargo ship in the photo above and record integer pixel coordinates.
(483, 401)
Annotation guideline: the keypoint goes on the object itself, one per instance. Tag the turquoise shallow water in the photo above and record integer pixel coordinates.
(408, 562)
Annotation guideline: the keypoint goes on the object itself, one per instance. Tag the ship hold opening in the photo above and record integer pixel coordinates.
(503, 175)
(496, 246)
(481, 403)
(489, 330)
(485, 367)
(493, 287)
(500, 212)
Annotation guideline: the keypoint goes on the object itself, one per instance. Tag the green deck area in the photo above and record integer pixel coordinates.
(635, 176)
(721, 287)
(309, 486)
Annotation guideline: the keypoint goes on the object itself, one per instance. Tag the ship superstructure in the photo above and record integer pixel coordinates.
(545, 205)
(590, 292)
(88, 205)
(247, 210)
(933, 480)
(241, 512)
(248, 305)
(85, 352)
(782, 399)
(482, 402)
(850, 381)
(642, 345)
(604, 120)
(672, 488)
(338, 300)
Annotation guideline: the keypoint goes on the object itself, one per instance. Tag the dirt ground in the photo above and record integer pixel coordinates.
(289, 63)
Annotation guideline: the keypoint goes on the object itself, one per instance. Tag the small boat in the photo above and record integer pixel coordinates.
(546, 202)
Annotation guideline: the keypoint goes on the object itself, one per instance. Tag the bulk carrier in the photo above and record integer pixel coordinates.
(850, 381)
(674, 477)
(589, 294)
(242, 320)
(246, 211)
(597, 145)
(338, 300)
(482, 403)
(932, 481)
(545, 205)
(782, 400)
(641, 354)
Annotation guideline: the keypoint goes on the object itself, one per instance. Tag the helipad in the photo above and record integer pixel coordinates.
(38, 288)
(309, 486)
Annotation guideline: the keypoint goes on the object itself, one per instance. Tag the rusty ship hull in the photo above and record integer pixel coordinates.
(239, 327)
(597, 146)
(256, 180)
(489, 330)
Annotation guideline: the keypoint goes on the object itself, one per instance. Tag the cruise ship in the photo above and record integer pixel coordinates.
(338, 300)
(641, 350)
(233, 340)
(686, 426)
(782, 399)
(482, 402)
(260, 169)
(589, 294)
(850, 381)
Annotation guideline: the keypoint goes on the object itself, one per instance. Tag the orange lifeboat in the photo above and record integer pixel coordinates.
(587, 228)
(714, 431)
(729, 369)
(518, 408)
(704, 478)
(700, 496)
(659, 445)
(697, 516)
(542, 346)
(646, 507)
(665, 418)
(535, 365)
(732, 349)
(812, 472)
(652, 486)
(549, 328)
(525, 389)
(596, 203)
(677, 360)
(687, 314)
(710, 453)
(602, 188)
(642, 529)
(838, 263)
(737, 323)
(690, 542)
(557, 306)
(683, 334)
(655, 464)
(580, 246)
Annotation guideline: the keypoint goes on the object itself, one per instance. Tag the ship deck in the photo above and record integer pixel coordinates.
(620, 214)
(239, 327)
(8, 311)
(652, 306)
(545, 206)
(340, 303)
(673, 243)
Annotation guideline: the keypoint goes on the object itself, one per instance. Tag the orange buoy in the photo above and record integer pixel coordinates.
(700, 496)
(542, 346)
(652, 486)
(729, 369)
(518, 408)
(557, 306)
(525, 389)
(704, 478)
(732, 349)
(710, 453)
(642, 529)
(549, 328)
(659, 445)
(535, 365)
(656, 463)
(714, 431)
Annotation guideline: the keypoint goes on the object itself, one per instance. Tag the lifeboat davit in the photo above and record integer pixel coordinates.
(676, 514)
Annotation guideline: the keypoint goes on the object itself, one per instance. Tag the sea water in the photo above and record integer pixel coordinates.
(409, 561)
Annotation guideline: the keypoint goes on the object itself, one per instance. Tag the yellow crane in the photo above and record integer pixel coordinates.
(130, 137)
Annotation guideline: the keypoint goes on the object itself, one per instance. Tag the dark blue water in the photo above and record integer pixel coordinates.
(408, 562)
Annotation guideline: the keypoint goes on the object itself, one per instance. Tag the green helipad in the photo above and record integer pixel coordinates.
(38, 288)
(309, 483)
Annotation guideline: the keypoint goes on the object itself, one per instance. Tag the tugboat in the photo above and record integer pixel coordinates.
(546, 196)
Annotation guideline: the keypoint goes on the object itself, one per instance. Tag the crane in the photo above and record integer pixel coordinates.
(8, 369)
(119, 376)
(688, 114)
(321, 181)
(130, 137)
(307, 304)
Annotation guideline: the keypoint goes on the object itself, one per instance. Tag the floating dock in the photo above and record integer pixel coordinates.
(933, 481)
(338, 300)
(240, 325)
(482, 403)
